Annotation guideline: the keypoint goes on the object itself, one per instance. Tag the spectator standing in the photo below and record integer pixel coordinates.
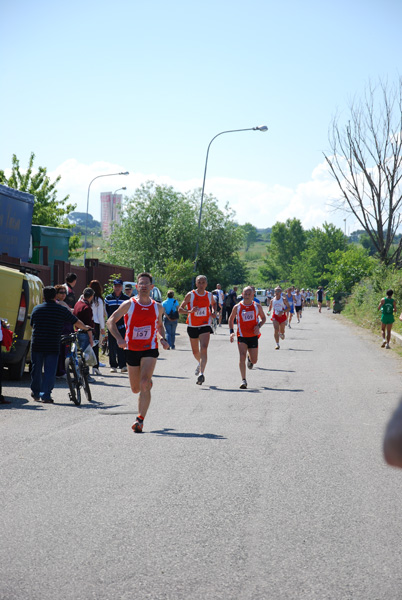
(83, 311)
(230, 301)
(68, 327)
(71, 280)
(113, 301)
(47, 320)
(171, 307)
(98, 312)
(128, 290)
(219, 305)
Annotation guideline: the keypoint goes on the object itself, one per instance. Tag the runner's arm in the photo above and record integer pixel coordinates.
(262, 320)
(231, 322)
(183, 308)
(112, 320)
(381, 304)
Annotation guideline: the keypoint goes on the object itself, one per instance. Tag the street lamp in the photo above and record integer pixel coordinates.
(260, 128)
(86, 219)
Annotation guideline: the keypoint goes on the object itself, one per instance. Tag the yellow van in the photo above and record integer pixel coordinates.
(20, 292)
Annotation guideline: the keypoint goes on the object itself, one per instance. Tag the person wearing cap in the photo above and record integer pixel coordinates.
(128, 290)
(113, 301)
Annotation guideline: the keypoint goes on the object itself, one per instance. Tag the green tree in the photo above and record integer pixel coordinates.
(270, 272)
(250, 234)
(288, 241)
(160, 225)
(348, 267)
(48, 209)
(179, 274)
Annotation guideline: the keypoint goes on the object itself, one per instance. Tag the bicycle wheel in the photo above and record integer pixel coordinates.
(84, 370)
(73, 381)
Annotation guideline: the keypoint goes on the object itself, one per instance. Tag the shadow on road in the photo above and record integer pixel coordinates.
(276, 370)
(174, 433)
(298, 350)
(169, 377)
(250, 391)
(21, 403)
(280, 390)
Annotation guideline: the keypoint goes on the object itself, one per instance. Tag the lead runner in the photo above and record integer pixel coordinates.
(250, 318)
(144, 325)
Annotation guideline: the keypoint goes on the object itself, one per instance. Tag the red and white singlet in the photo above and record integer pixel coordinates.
(141, 323)
(278, 306)
(247, 319)
(203, 316)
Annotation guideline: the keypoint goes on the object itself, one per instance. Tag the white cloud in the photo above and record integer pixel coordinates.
(253, 201)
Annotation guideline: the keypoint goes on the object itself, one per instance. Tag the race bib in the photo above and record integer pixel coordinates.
(201, 312)
(142, 333)
(247, 315)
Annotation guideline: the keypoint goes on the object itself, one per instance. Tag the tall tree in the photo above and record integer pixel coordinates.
(288, 240)
(310, 265)
(366, 162)
(160, 225)
(250, 234)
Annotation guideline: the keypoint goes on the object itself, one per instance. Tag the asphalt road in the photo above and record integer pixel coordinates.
(275, 492)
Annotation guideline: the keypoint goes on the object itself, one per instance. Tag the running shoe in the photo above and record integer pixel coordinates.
(277, 347)
(289, 326)
(197, 371)
(200, 380)
(383, 344)
(138, 425)
(282, 336)
(249, 363)
(123, 370)
(243, 385)
(113, 370)
(387, 347)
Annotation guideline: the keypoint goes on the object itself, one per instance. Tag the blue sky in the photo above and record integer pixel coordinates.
(99, 87)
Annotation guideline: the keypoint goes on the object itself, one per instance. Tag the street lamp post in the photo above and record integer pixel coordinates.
(261, 128)
(86, 219)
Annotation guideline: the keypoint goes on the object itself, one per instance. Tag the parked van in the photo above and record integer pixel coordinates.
(20, 293)
(262, 296)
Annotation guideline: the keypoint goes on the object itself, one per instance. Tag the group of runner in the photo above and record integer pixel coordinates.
(144, 327)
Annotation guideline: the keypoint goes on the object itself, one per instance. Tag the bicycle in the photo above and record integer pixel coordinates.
(77, 370)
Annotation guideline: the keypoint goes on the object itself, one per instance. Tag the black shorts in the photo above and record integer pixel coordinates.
(298, 308)
(195, 332)
(133, 357)
(251, 342)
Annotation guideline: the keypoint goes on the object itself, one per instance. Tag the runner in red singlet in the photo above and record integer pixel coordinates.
(144, 327)
(197, 305)
(250, 318)
(279, 308)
